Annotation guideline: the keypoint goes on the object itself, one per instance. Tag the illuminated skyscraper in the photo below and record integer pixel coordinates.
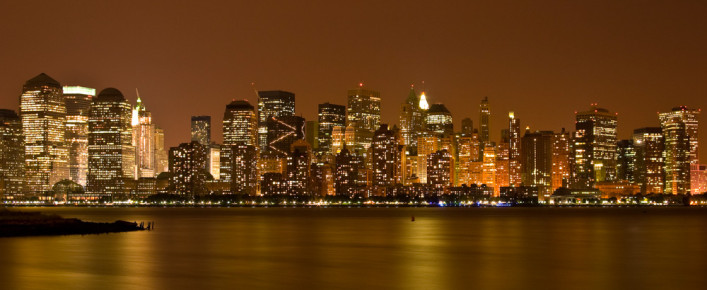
(12, 155)
(201, 129)
(484, 121)
(161, 156)
(43, 113)
(488, 174)
(468, 147)
(245, 169)
(440, 169)
(595, 147)
(311, 133)
(514, 164)
(426, 145)
(411, 121)
(330, 116)
(111, 155)
(561, 151)
(649, 174)
(689, 117)
(272, 104)
(346, 173)
(677, 155)
(299, 163)
(78, 103)
(282, 132)
(143, 140)
(364, 110)
(239, 128)
(536, 156)
(386, 157)
(626, 161)
(187, 163)
(502, 161)
(438, 120)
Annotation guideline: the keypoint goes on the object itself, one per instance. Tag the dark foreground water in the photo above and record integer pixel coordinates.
(364, 248)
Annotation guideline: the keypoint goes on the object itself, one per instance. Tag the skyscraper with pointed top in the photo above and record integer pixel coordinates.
(411, 121)
(43, 113)
(143, 140)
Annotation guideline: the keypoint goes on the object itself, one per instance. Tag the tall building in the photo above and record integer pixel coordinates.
(484, 121)
(272, 104)
(595, 147)
(346, 173)
(186, 163)
(161, 155)
(561, 151)
(244, 159)
(299, 163)
(111, 155)
(689, 117)
(386, 157)
(649, 173)
(467, 127)
(677, 155)
(311, 133)
(468, 148)
(438, 120)
(440, 169)
(411, 121)
(43, 113)
(536, 156)
(330, 116)
(78, 103)
(514, 164)
(488, 173)
(426, 145)
(239, 128)
(143, 140)
(282, 132)
(12, 155)
(503, 172)
(364, 110)
(201, 129)
(626, 161)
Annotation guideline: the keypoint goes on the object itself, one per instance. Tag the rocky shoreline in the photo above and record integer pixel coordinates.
(18, 224)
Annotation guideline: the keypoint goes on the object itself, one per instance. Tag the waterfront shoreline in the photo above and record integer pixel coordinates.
(23, 224)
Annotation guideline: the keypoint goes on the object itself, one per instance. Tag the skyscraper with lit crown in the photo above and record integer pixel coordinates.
(143, 140)
(43, 113)
(78, 103)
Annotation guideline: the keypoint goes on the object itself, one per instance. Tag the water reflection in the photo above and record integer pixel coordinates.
(369, 248)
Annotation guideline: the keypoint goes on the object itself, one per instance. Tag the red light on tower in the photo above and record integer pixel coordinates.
(360, 84)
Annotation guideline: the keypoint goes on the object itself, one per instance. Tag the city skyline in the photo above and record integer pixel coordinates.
(570, 56)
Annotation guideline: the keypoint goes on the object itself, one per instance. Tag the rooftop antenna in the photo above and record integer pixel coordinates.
(252, 84)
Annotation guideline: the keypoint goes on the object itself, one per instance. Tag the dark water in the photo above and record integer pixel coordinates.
(362, 248)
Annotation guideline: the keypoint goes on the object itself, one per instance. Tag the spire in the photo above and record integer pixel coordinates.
(412, 97)
(423, 102)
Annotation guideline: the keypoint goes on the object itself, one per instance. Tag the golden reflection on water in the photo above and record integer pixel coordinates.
(364, 248)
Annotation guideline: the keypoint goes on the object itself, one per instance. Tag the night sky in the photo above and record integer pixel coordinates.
(542, 59)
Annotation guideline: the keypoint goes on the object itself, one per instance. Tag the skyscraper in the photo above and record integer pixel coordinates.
(12, 155)
(561, 151)
(272, 104)
(364, 110)
(514, 164)
(440, 169)
(143, 140)
(536, 156)
(346, 173)
(484, 121)
(43, 113)
(239, 128)
(677, 155)
(626, 161)
(438, 120)
(488, 173)
(411, 121)
(186, 163)
(330, 116)
(689, 117)
(201, 129)
(595, 147)
(386, 157)
(161, 155)
(649, 174)
(426, 145)
(245, 169)
(311, 133)
(78, 103)
(299, 163)
(467, 127)
(111, 155)
(282, 132)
